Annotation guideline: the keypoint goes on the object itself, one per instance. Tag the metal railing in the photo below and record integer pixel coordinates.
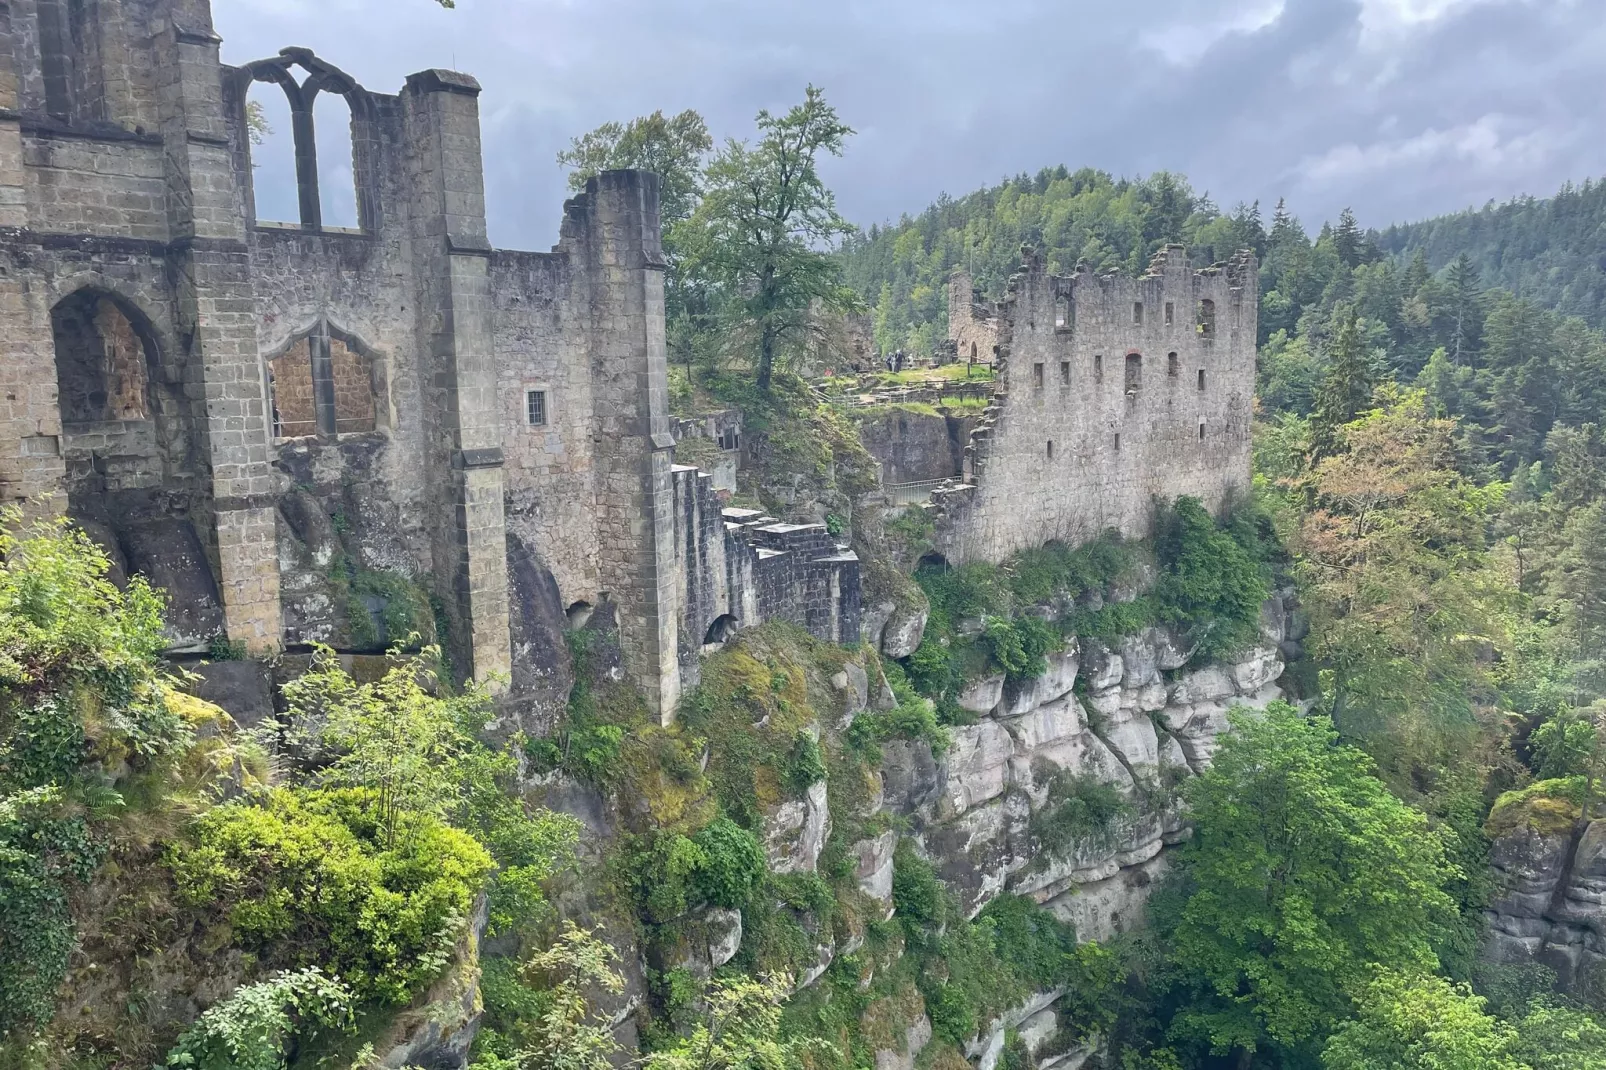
(913, 493)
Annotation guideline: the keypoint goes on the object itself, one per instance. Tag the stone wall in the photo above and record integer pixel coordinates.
(1113, 393)
(972, 325)
(255, 412)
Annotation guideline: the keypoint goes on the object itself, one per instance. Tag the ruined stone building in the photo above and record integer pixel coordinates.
(302, 430)
(1113, 393)
(972, 324)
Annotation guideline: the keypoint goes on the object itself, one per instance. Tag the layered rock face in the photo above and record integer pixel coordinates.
(1133, 715)
(1550, 900)
(1139, 722)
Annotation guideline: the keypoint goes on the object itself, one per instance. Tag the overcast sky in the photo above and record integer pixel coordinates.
(1399, 108)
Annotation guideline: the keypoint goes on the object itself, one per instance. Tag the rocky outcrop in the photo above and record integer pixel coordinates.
(1549, 904)
(1141, 724)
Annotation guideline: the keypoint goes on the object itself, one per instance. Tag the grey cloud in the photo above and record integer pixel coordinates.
(1489, 100)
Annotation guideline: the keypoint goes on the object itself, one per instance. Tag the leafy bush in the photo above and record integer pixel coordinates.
(917, 895)
(1020, 646)
(1081, 809)
(806, 764)
(252, 1028)
(310, 877)
(1211, 582)
(732, 865)
(82, 700)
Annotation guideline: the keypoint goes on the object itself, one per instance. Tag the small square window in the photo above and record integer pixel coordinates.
(535, 407)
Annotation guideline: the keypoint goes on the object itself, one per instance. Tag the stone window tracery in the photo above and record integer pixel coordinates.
(322, 384)
(360, 206)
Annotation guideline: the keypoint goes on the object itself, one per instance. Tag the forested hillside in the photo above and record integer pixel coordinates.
(1552, 251)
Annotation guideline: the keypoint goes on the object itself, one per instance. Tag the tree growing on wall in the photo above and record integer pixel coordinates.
(761, 239)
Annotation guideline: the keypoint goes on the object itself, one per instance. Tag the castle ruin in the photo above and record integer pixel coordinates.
(247, 411)
(1113, 393)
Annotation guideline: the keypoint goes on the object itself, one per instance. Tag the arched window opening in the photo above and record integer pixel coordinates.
(578, 614)
(720, 631)
(337, 176)
(973, 352)
(102, 360)
(1172, 365)
(290, 392)
(322, 384)
(1134, 374)
(354, 388)
(333, 182)
(1207, 317)
(270, 129)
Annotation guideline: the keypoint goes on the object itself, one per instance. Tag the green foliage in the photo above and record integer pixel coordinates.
(315, 878)
(1565, 745)
(732, 863)
(757, 241)
(1114, 224)
(1020, 646)
(83, 711)
(1210, 581)
(672, 147)
(806, 764)
(1080, 810)
(1555, 1036)
(222, 648)
(406, 617)
(1406, 1020)
(1303, 872)
(252, 1029)
(542, 1014)
(741, 1030)
(917, 895)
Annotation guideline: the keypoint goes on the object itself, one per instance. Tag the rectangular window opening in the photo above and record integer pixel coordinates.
(1098, 368)
(1201, 379)
(535, 407)
(1170, 313)
(1172, 368)
(1065, 373)
(1051, 449)
(1118, 442)
(1201, 430)
(1037, 376)
(1137, 313)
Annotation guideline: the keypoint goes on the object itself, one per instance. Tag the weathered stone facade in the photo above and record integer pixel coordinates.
(1113, 393)
(972, 325)
(242, 409)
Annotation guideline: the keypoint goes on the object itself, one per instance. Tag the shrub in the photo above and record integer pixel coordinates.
(1081, 809)
(251, 1029)
(917, 895)
(306, 878)
(805, 766)
(1210, 581)
(732, 865)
